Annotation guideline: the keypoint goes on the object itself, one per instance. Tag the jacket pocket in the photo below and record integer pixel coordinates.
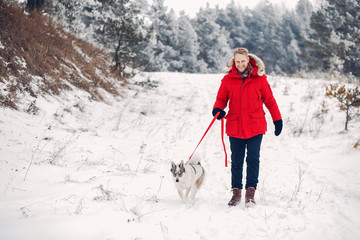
(258, 121)
(232, 126)
(258, 114)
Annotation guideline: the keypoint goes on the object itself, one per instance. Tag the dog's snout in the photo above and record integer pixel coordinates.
(177, 180)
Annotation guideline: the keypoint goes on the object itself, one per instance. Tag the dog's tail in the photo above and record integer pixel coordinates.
(200, 180)
(195, 160)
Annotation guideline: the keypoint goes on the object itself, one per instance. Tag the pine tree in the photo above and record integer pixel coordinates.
(158, 53)
(213, 40)
(337, 40)
(79, 17)
(120, 31)
(263, 38)
(294, 31)
(232, 20)
(170, 39)
(303, 11)
(174, 43)
(188, 46)
(303, 31)
(289, 33)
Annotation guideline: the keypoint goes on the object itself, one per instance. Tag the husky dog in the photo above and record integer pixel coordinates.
(188, 177)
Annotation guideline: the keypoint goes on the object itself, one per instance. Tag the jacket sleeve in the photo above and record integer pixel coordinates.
(269, 100)
(222, 96)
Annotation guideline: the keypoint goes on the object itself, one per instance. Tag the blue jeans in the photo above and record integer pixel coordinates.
(238, 147)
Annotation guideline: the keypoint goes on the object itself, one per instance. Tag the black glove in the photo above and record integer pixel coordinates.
(278, 127)
(221, 115)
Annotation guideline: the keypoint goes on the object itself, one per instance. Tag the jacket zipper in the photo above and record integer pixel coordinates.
(241, 111)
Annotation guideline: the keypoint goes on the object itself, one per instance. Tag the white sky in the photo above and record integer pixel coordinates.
(191, 7)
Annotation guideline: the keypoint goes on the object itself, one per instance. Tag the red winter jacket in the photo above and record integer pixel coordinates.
(246, 116)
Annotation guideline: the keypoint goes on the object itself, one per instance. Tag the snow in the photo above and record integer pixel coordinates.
(82, 169)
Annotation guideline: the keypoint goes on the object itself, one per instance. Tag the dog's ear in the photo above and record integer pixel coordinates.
(181, 165)
(173, 166)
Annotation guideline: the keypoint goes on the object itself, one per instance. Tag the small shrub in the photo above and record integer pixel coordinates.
(347, 97)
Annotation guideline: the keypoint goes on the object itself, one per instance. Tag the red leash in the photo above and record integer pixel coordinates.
(222, 139)
(222, 136)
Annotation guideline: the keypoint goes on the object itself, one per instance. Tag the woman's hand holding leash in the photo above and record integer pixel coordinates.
(221, 112)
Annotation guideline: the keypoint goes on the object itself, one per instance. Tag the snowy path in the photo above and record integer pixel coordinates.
(101, 171)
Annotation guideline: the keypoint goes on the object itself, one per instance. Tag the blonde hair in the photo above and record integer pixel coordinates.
(242, 51)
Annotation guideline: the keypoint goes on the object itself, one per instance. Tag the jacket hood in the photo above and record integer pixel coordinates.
(254, 60)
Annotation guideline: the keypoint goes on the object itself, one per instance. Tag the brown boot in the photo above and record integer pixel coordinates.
(235, 198)
(250, 197)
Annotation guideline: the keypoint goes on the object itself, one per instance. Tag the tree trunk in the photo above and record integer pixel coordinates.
(118, 64)
(32, 4)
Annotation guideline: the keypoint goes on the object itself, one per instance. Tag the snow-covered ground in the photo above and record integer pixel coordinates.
(81, 169)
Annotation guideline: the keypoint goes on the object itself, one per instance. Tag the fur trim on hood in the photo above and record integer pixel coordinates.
(259, 64)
